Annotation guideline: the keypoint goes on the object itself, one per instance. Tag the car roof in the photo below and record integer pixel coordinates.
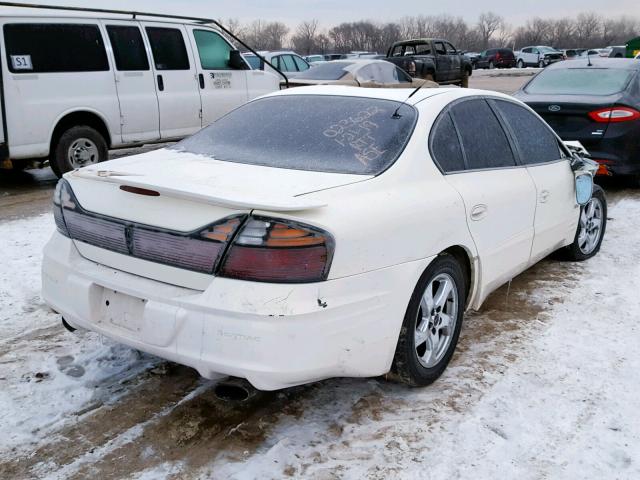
(395, 94)
(419, 40)
(597, 62)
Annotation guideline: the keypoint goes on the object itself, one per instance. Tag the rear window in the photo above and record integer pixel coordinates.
(55, 47)
(326, 71)
(167, 46)
(309, 132)
(580, 81)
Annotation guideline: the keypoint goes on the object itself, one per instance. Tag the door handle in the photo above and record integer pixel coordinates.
(201, 80)
(478, 212)
(160, 83)
(544, 196)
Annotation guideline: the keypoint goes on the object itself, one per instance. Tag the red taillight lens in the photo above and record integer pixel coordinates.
(279, 251)
(614, 115)
(498, 56)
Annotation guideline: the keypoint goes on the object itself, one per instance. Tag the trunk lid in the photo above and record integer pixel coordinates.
(195, 190)
(568, 115)
(151, 232)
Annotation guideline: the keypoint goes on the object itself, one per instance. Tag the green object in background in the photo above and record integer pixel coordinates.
(633, 47)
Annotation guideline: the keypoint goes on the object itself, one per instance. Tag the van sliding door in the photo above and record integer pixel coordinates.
(135, 82)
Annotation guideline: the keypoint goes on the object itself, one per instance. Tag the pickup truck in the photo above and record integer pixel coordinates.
(431, 59)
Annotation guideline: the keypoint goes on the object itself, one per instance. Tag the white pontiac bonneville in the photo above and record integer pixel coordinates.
(319, 232)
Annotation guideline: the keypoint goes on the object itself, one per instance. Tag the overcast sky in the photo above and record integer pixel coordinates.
(330, 12)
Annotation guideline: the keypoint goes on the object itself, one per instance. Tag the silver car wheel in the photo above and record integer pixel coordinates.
(590, 226)
(436, 321)
(81, 152)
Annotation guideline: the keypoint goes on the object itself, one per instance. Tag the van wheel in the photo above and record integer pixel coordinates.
(591, 228)
(78, 147)
(431, 325)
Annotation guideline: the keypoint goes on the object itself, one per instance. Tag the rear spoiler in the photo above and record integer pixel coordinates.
(134, 15)
(197, 193)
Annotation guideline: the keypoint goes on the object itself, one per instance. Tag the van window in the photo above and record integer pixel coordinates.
(213, 50)
(484, 141)
(128, 48)
(536, 141)
(167, 46)
(55, 47)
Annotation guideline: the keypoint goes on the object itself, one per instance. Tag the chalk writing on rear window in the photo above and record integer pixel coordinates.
(355, 132)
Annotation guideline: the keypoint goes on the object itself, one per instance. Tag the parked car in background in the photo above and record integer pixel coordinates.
(272, 264)
(597, 105)
(431, 59)
(495, 58)
(595, 52)
(617, 51)
(74, 87)
(311, 59)
(288, 62)
(572, 53)
(537, 56)
(359, 73)
(334, 56)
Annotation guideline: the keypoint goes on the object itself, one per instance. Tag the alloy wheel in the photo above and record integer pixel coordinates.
(436, 321)
(590, 226)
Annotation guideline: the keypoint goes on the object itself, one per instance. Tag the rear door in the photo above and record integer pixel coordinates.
(499, 196)
(176, 79)
(221, 87)
(135, 83)
(443, 62)
(538, 148)
(455, 62)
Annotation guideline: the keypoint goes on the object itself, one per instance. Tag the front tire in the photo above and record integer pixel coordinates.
(591, 228)
(432, 324)
(520, 64)
(78, 147)
(541, 64)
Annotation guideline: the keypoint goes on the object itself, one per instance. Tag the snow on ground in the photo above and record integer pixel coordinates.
(544, 385)
(566, 408)
(47, 374)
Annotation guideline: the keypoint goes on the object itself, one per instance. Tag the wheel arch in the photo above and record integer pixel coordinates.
(469, 267)
(79, 117)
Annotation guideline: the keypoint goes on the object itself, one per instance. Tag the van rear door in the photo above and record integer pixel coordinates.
(175, 74)
(221, 88)
(135, 82)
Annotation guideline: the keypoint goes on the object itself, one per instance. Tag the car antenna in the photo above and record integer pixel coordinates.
(396, 114)
(589, 64)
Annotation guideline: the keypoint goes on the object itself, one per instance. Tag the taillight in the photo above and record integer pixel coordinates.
(498, 56)
(280, 251)
(614, 115)
(62, 191)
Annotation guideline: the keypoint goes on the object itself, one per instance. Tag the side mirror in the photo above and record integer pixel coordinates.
(236, 62)
(584, 187)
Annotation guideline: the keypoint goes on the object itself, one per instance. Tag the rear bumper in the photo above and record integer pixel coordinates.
(275, 336)
(618, 150)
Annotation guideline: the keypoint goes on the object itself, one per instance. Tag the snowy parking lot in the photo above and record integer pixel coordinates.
(544, 384)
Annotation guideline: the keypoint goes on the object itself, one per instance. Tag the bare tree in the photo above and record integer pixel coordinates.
(588, 29)
(305, 39)
(488, 24)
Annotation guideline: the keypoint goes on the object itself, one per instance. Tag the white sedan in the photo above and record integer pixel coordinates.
(319, 232)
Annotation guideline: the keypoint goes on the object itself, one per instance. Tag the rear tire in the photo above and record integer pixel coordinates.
(591, 228)
(431, 325)
(491, 66)
(464, 83)
(520, 64)
(77, 147)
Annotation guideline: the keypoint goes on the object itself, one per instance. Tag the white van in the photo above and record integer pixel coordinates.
(74, 87)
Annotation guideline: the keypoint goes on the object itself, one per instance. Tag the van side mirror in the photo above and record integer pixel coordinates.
(236, 62)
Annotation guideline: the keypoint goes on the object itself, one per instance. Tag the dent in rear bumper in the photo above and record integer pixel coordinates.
(274, 335)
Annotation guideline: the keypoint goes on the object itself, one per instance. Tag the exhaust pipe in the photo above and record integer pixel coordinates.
(234, 390)
(67, 326)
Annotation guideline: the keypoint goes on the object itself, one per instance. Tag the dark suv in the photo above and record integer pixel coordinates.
(495, 58)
